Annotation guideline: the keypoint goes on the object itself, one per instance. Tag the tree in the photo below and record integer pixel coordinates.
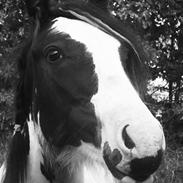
(161, 24)
(161, 27)
(12, 32)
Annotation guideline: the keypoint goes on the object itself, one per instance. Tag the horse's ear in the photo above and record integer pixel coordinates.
(33, 6)
(38, 9)
(46, 9)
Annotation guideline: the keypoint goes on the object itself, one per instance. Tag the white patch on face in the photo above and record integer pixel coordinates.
(116, 103)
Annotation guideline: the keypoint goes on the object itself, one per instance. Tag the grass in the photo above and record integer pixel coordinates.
(171, 170)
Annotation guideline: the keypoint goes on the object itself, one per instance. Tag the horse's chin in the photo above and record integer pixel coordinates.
(113, 159)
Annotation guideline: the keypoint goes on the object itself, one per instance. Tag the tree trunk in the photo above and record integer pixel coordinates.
(170, 92)
(177, 94)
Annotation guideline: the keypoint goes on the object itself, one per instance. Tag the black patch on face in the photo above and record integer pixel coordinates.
(112, 158)
(141, 169)
(64, 90)
(85, 126)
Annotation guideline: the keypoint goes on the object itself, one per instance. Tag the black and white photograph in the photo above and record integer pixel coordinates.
(91, 91)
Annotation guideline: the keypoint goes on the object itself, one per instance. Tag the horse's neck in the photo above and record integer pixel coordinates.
(84, 164)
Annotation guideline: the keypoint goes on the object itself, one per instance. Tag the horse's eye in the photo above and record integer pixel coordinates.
(53, 54)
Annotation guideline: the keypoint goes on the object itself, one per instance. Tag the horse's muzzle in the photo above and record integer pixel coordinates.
(138, 169)
(141, 169)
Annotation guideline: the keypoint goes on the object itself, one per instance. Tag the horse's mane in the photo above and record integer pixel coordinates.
(18, 150)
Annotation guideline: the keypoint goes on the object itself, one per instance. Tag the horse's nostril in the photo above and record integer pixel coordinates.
(141, 169)
(127, 140)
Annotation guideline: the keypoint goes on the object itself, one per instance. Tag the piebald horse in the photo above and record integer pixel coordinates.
(79, 115)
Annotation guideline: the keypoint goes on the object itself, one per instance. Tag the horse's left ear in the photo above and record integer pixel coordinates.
(35, 7)
(42, 10)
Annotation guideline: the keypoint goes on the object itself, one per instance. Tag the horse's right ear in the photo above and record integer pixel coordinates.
(32, 7)
(38, 9)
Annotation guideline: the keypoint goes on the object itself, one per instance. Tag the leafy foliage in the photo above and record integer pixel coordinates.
(11, 24)
(161, 26)
(12, 32)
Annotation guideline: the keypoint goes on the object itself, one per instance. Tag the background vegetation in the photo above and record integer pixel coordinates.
(160, 28)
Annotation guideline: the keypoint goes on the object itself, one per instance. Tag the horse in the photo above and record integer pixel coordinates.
(80, 116)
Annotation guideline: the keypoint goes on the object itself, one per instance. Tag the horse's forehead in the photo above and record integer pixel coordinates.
(89, 35)
(103, 47)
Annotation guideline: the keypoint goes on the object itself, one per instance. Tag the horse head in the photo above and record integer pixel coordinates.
(82, 77)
